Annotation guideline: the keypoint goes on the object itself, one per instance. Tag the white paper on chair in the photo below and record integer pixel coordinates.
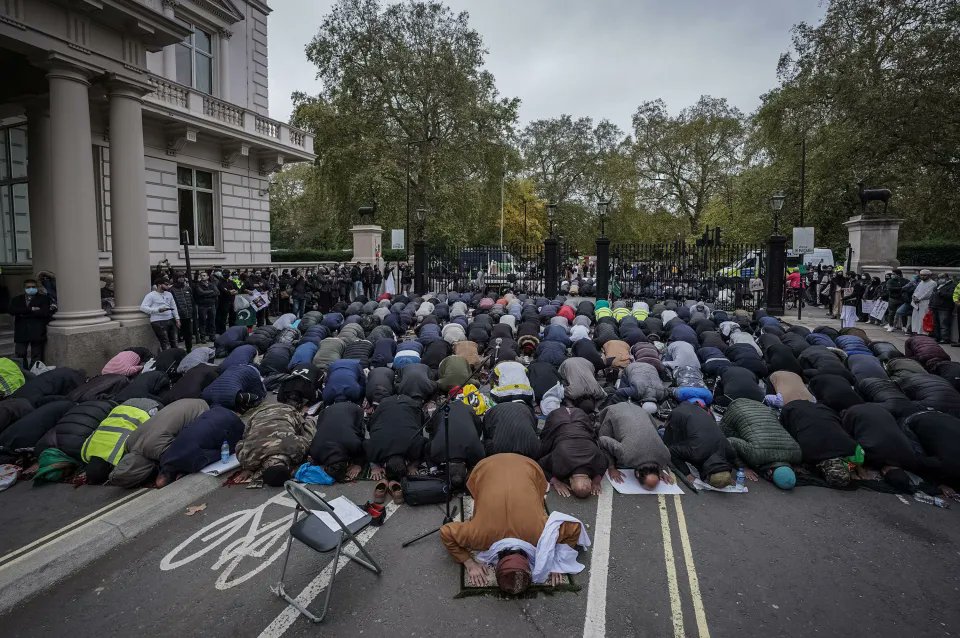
(730, 489)
(222, 467)
(346, 510)
(631, 485)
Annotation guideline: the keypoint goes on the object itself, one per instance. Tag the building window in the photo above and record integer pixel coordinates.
(195, 200)
(195, 61)
(101, 175)
(14, 199)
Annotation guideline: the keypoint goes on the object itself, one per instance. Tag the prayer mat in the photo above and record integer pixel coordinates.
(490, 588)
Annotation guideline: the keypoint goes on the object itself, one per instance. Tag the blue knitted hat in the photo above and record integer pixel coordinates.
(784, 478)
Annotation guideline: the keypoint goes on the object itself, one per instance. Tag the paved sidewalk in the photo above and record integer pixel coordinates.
(813, 317)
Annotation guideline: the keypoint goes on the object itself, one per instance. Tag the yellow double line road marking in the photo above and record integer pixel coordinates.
(673, 583)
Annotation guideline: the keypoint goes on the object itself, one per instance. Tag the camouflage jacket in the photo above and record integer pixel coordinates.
(273, 433)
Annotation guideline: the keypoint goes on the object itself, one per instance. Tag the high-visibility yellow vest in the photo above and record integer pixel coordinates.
(11, 377)
(620, 313)
(109, 440)
(641, 315)
(603, 312)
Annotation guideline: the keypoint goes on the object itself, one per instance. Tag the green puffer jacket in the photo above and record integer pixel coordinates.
(756, 434)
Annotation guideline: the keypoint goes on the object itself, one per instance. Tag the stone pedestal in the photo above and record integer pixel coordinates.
(366, 244)
(87, 348)
(873, 242)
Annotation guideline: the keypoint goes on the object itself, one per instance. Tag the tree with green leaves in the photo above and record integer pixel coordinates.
(404, 87)
(873, 90)
(684, 160)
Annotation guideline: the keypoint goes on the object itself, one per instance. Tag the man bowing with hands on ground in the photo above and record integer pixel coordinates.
(511, 530)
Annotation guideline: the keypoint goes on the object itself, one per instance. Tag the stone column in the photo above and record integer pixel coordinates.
(170, 51)
(74, 199)
(128, 201)
(223, 67)
(40, 196)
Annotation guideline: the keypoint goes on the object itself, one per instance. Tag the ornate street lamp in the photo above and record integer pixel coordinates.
(602, 209)
(776, 205)
(420, 217)
(551, 216)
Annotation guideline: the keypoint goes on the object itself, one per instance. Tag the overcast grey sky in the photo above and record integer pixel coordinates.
(599, 58)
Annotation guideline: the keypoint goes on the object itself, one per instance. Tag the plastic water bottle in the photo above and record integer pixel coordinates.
(741, 478)
(921, 497)
(224, 452)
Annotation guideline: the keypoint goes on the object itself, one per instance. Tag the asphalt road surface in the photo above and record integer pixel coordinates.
(767, 563)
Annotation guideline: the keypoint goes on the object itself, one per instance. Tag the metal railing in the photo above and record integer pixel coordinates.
(718, 275)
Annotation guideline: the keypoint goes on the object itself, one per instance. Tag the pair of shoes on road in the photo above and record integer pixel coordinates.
(383, 488)
(377, 512)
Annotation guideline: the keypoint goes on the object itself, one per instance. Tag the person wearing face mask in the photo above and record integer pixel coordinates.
(921, 300)
(205, 294)
(161, 307)
(183, 297)
(941, 303)
(31, 312)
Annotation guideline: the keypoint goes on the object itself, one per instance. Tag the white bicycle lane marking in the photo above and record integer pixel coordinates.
(255, 541)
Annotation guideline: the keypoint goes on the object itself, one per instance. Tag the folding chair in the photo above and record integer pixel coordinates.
(314, 533)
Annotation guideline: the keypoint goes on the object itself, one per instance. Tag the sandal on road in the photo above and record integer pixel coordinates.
(380, 492)
(396, 492)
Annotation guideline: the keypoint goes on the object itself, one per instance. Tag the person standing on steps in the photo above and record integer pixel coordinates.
(183, 297)
(160, 306)
(31, 313)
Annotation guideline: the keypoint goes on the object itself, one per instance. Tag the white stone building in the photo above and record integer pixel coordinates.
(124, 123)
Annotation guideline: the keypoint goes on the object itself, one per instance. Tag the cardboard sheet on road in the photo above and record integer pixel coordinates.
(631, 485)
(222, 467)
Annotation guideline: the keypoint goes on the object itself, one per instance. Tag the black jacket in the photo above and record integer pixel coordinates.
(818, 430)
(183, 297)
(30, 317)
(834, 391)
(465, 431)
(225, 286)
(27, 431)
(339, 435)
(205, 293)
(56, 382)
(511, 427)
(693, 436)
(380, 384)
(883, 441)
(939, 434)
(395, 430)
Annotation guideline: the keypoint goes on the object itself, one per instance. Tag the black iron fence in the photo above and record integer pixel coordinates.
(719, 275)
(518, 267)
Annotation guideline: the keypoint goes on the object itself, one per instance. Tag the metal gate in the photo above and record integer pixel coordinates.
(717, 274)
(521, 268)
